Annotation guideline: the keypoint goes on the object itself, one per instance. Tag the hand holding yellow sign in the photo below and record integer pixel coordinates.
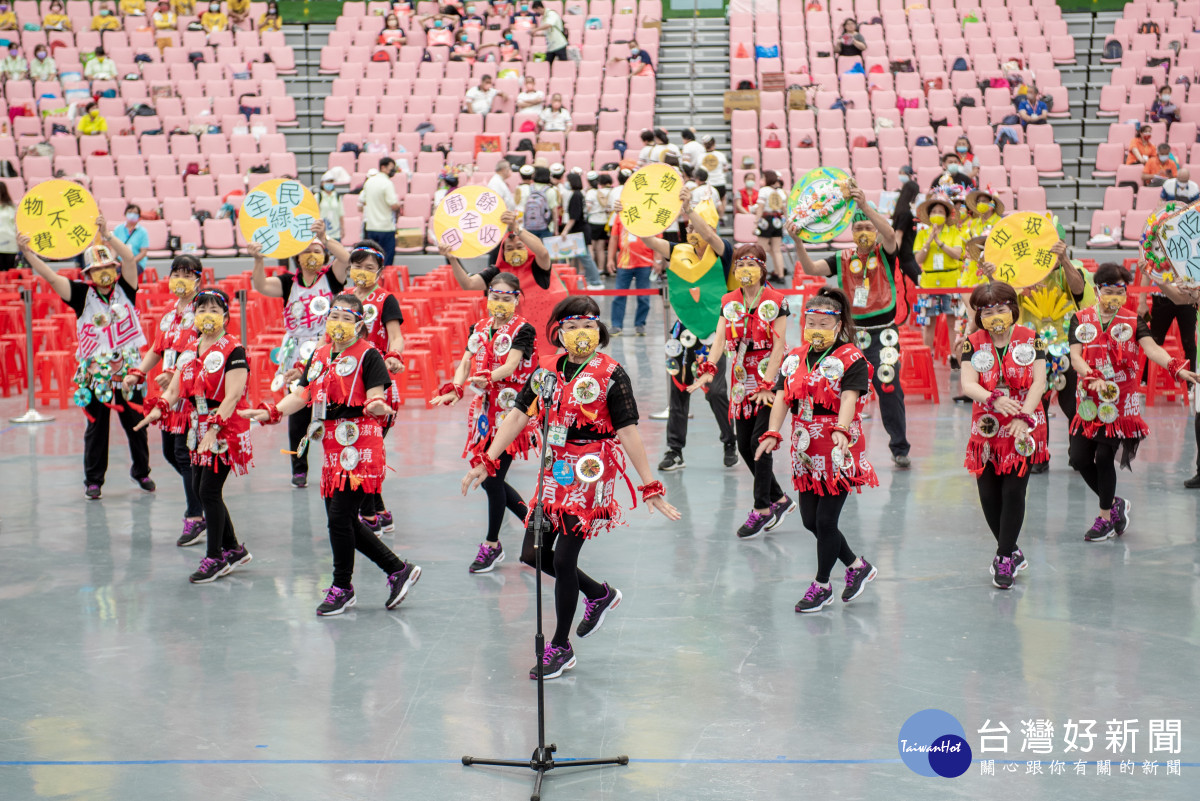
(1019, 246)
(60, 218)
(279, 215)
(468, 221)
(650, 201)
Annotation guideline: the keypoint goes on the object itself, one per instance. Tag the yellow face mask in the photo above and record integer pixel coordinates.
(937, 219)
(104, 276)
(516, 256)
(340, 332)
(181, 287)
(819, 338)
(983, 208)
(1113, 303)
(210, 323)
(747, 275)
(310, 260)
(999, 322)
(581, 341)
(501, 309)
(696, 241)
(362, 278)
(864, 239)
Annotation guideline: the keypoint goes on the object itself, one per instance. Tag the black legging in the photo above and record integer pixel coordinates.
(1002, 496)
(766, 488)
(560, 561)
(297, 427)
(1162, 312)
(501, 496)
(175, 451)
(1096, 461)
(209, 484)
(1066, 398)
(348, 534)
(820, 514)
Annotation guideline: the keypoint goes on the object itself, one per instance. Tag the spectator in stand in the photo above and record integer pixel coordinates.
(392, 33)
(575, 221)
(42, 68)
(1163, 110)
(447, 183)
(953, 175)
(851, 44)
(133, 8)
(701, 189)
(632, 261)
(100, 67)
(472, 18)
(555, 118)
(91, 122)
(379, 204)
(8, 19)
(239, 14)
(14, 67)
(184, 8)
(531, 100)
(523, 19)
(1161, 166)
(663, 147)
(966, 158)
(1181, 188)
(439, 29)
(8, 230)
(164, 18)
(214, 20)
(507, 49)
(135, 237)
(646, 154)
(329, 202)
(105, 20)
(463, 49)
(522, 193)
(717, 165)
(747, 196)
(479, 98)
(1140, 149)
(639, 61)
(270, 20)
(771, 210)
(498, 183)
(692, 151)
(1031, 109)
(598, 203)
(541, 205)
(56, 19)
(552, 27)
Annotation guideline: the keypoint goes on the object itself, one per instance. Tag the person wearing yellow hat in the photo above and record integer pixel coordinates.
(110, 343)
(938, 248)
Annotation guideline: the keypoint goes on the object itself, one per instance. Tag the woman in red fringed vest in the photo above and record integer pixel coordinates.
(1004, 373)
(501, 356)
(825, 384)
(210, 377)
(1106, 345)
(345, 382)
(592, 416)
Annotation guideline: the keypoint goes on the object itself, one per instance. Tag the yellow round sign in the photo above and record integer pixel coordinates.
(60, 218)
(468, 221)
(279, 215)
(650, 200)
(1019, 246)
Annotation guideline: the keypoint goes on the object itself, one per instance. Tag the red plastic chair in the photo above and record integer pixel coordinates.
(916, 374)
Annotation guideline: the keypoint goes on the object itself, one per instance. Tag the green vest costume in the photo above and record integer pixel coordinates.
(686, 273)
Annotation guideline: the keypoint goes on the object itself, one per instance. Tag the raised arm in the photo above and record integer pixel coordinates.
(466, 281)
(341, 256)
(264, 284)
(700, 226)
(60, 285)
(884, 233)
(820, 268)
(127, 257)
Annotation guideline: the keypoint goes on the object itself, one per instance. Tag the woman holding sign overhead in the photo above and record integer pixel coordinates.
(307, 296)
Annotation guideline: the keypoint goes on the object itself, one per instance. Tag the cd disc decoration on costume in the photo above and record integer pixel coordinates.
(279, 215)
(650, 201)
(468, 221)
(59, 217)
(1020, 247)
(819, 204)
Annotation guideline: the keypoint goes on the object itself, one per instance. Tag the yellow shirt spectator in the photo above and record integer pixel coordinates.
(8, 21)
(133, 8)
(92, 123)
(184, 8)
(164, 18)
(56, 22)
(239, 10)
(213, 21)
(938, 245)
(270, 22)
(106, 21)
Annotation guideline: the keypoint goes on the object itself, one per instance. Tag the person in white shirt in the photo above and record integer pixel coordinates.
(551, 25)
(330, 204)
(555, 118)
(479, 98)
(100, 67)
(717, 166)
(692, 151)
(702, 190)
(522, 192)
(1181, 188)
(597, 205)
(531, 100)
(645, 156)
(42, 68)
(662, 146)
(498, 183)
(379, 203)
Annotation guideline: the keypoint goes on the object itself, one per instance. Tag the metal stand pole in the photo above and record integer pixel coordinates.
(241, 299)
(32, 415)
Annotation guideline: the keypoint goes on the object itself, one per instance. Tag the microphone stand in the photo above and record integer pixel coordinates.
(542, 759)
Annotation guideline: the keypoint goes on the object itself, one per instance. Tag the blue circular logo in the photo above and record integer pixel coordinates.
(933, 743)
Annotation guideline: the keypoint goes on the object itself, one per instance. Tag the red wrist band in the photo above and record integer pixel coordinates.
(490, 464)
(996, 395)
(215, 420)
(843, 429)
(391, 354)
(652, 490)
(451, 387)
(1028, 419)
(272, 410)
(136, 373)
(1175, 365)
(772, 435)
(156, 402)
(706, 368)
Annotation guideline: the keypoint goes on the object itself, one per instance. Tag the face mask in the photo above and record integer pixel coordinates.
(581, 341)
(747, 275)
(362, 278)
(1113, 303)
(210, 323)
(508, 38)
(104, 12)
(516, 256)
(635, 51)
(437, 23)
(819, 338)
(311, 261)
(953, 169)
(133, 216)
(328, 187)
(751, 184)
(501, 309)
(340, 332)
(937, 219)
(181, 287)
(696, 241)
(864, 239)
(41, 55)
(1165, 96)
(214, 8)
(983, 208)
(94, 112)
(104, 276)
(961, 149)
(999, 322)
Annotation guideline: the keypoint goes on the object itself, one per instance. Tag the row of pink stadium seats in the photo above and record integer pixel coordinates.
(851, 124)
(1125, 200)
(1045, 160)
(333, 59)
(788, 13)
(179, 145)
(622, 30)
(878, 37)
(189, 96)
(86, 39)
(164, 169)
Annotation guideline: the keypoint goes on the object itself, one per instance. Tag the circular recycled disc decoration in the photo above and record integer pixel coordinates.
(586, 390)
(319, 306)
(192, 440)
(1085, 332)
(674, 367)
(468, 221)
(832, 368)
(279, 214)
(803, 439)
(316, 431)
(589, 468)
(837, 459)
(346, 365)
(889, 337)
(1087, 410)
(819, 204)
(738, 392)
(1025, 446)
(165, 323)
(104, 393)
(1059, 349)
(768, 310)
(1107, 413)
(983, 361)
(307, 350)
(1109, 392)
(673, 348)
(213, 362)
(856, 265)
(60, 218)
(733, 311)
(790, 364)
(101, 320)
(687, 338)
(887, 373)
(349, 458)
(889, 355)
(219, 445)
(502, 344)
(650, 201)
(762, 368)
(1121, 332)
(739, 372)
(370, 312)
(277, 383)
(1020, 248)
(82, 397)
(548, 462)
(506, 398)
(346, 433)
(1024, 354)
(862, 339)
(988, 426)
(475, 342)
(120, 312)
(314, 371)
(1060, 382)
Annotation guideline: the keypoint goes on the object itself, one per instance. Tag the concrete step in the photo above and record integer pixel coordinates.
(698, 38)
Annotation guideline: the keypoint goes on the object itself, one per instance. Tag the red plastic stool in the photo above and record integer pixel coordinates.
(418, 380)
(12, 369)
(916, 373)
(55, 370)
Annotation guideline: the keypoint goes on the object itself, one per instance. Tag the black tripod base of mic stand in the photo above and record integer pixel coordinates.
(543, 761)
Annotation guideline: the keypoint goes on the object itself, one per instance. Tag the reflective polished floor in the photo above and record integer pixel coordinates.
(119, 680)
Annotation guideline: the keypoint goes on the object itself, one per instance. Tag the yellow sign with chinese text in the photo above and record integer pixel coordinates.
(279, 215)
(468, 221)
(60, 218)
(650, 201)
(1019, 247)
